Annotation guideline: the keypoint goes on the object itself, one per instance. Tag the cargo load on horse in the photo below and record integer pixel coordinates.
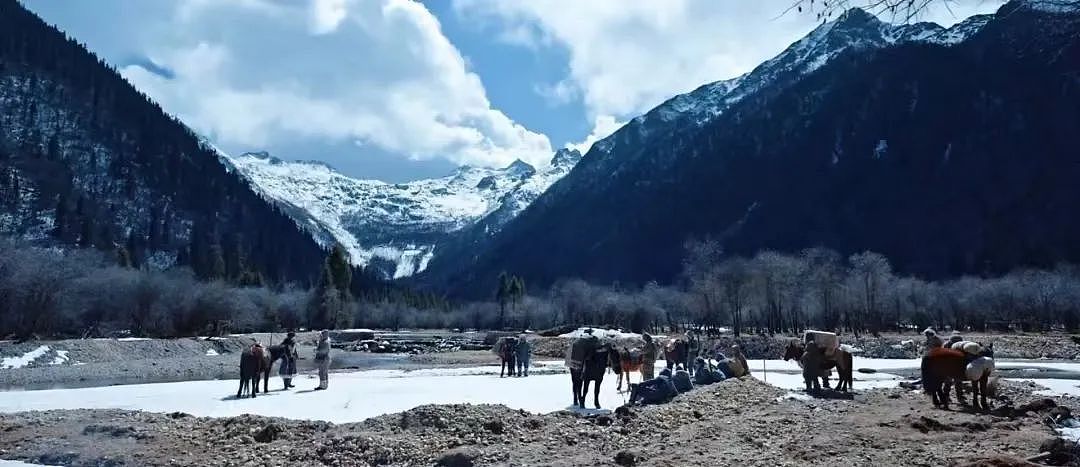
(827, 342)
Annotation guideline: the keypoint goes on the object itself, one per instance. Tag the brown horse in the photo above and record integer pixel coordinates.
(840, 359)
(254, 362)
(675, 353)
(628, 360)
(942, 367)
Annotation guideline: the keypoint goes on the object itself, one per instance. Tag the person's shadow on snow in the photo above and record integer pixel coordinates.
(588, 412)
(233, 397)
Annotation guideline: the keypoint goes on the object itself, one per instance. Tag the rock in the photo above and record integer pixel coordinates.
(495, 426)
(267, 434)
(927, 424)
(625, 412)
(1037, 406)
(604, 420)
(459, 457)
(178, 415)
(1061, 452)
(628, 458)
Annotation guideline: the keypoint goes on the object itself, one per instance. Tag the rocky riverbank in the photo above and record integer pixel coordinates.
(737, 421)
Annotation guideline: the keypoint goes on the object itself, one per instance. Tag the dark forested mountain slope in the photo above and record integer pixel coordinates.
(86, 159)
(949, 157)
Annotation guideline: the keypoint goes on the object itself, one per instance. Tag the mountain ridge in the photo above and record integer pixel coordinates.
(618, 215)
(395, 228)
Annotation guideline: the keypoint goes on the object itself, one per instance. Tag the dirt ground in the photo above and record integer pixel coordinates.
(736, 422)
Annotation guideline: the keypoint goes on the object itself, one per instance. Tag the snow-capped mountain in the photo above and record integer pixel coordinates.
(861, 136)
(397, 227)
(854, 30)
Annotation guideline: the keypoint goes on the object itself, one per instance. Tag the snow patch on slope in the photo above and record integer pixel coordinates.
(398, 223)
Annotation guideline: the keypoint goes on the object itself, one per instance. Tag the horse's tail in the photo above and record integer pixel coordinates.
(930, 381)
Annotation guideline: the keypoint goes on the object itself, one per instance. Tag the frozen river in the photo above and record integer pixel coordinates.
(355, 396)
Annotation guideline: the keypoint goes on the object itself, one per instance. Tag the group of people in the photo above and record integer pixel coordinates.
(515, 353)
(678, 378)
(289, 355)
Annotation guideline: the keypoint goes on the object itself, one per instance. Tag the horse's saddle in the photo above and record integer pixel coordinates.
(634, 356)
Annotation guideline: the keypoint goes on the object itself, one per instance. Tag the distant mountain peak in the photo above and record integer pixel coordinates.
(566, 157)
(520, 168)
(856, 16)
(397, 228)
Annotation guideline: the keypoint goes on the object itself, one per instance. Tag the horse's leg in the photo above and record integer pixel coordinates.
(596, 393)
(848, 374)
(240, 390)
(960, 392)
(575, 384)
(984, 384)
(584, 390)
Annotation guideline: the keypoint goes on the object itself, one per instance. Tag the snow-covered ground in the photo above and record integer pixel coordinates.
(601, 333)
(4, 463)
(355, 396)
(1054, 387)
(24, 359)
(358, 395)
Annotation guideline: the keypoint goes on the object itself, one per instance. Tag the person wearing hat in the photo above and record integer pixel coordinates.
(322, 359)
(524, 354)
(649, 353)
(287, 370)
(933, 341)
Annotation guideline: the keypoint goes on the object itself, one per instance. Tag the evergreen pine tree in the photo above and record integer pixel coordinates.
(340, 271)
(216, 263)
(502, 295)
(86, 237)
(123, 258)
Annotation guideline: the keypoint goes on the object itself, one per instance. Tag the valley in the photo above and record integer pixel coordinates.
(744, 203)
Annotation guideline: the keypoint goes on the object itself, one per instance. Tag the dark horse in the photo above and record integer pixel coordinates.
(942, 367)
(676, 352)
(255, 362)
(593, 368)
(841, 360)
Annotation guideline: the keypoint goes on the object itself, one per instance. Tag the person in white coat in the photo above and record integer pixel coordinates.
(322, 359)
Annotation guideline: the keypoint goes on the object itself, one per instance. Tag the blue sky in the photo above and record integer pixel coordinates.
(400, 90)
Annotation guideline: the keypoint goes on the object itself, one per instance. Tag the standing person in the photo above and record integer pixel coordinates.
(322, 359)
(648, 357)
(693, 350)
(287, 370)
(524, 354)
(933, 341)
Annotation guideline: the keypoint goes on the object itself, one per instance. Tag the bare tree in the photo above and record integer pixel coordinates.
(904, 11)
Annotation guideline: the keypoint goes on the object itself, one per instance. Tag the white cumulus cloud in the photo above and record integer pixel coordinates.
(377, 72)
(627, 56)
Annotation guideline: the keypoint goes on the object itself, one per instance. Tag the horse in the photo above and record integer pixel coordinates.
(942, 367)
(675, 353)
(254, 362)
(841, 360)
(276, 352)
(592, 368)
(627, 361)
(506, 349)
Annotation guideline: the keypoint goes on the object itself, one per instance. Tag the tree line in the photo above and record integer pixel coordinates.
(87, 292)
(51, 292)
